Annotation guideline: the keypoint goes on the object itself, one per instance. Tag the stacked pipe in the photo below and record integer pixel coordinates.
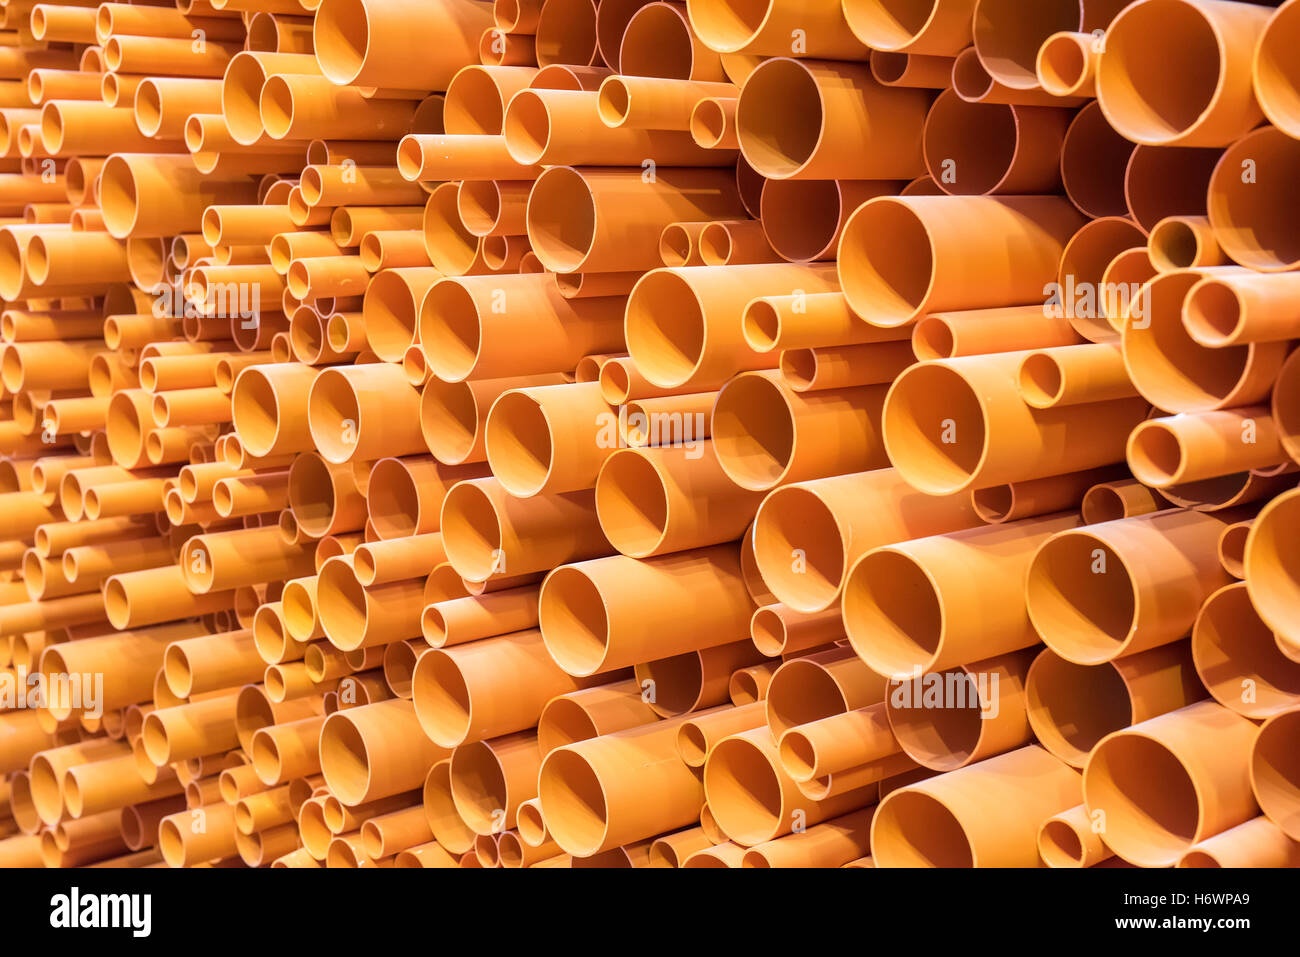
(546, 434)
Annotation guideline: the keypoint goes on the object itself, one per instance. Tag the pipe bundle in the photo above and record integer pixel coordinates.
(441, 433)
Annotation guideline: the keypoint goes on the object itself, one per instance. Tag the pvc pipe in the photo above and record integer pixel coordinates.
(564, 128)
(397, 42)
(713, 123)
(592, 712)
(1274, 775)
(1238, 657)
(980, 712)
(844, 742)
(460, 693)
(659, 500)
(725, 855)
(488, 533)
(190, 730)
(1087, 295)
(653, 103)
(211, 662)
(1070, 839)
(357, 413)
(1066, 64)
(489, 779)
(758, 422)
(911, 69)
(1187, 448)
(184, 846)
(819, 685)
(375, 751)
(982, 413)
(587, 616)
(698, 308)
(453, 414)
(692, 681)
(1109, 501)
(812, 119)
(530, 455)
(778, 630)
(833, 843)
(828, 523)
(250, 556)
(154, 595)
(464, 335)
(734, 242)
(1140, 103)
(729, 27)
(1275, 81)
(1018, 152)
(114, 19)
(1093, 599)
(617, 789)
(1015, 500)
(937, 27)
(1232, 307)
(1184, 242)
(477, 97)
(947, 335)
(985, 815)
(1257, 843)
(1178, 374)
(909, 606)
(1270, 580)
(158, 195)
(425, 855)
(1094, 159)
(406, 494)
(387, 834)
(1074, 375)
(889, 284)
(448, 829)
(744, 766)
(803, 219)
(622, 235)
(1170, 782)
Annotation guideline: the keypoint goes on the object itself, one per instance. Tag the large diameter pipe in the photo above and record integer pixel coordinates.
(467, 692)
(1238, 658)
(985, 815)
(1210, 43)
(1103, 591)
(911, 608)
(1072, 707)
(728, 26)
(375, 751)
(1275, 771)
(811, 119)
(618, 789)
(684, 326)
(595, 616)
(402, 45)
(1243, 201)
(1271, 562)
(755, 801)
(903, 257)
(930, 27)
(625, 212)
(765, 434)
(953, 424)
(475, 327)
(656, 500)
(1168, 783)
(808, 535)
